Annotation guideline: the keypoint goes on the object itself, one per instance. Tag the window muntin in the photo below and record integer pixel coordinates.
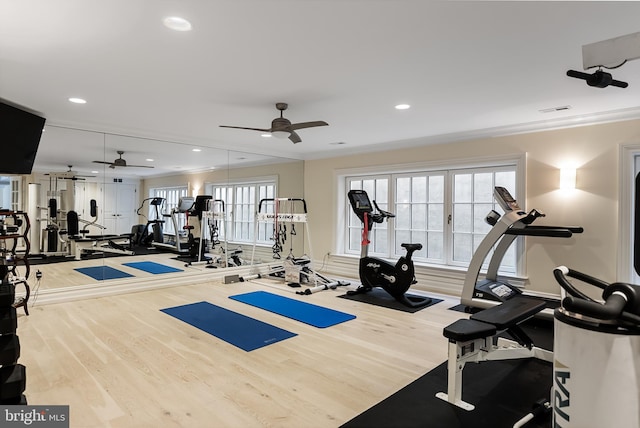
(241, 205)
(444, 210)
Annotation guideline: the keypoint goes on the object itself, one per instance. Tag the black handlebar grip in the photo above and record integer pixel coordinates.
(611, 309)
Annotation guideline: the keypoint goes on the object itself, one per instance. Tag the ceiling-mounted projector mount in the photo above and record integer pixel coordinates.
(599, 79)
(609, 54)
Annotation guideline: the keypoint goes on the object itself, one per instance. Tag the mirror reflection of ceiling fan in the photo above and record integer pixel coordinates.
(69, 175)
(121, 162)
(282, 127)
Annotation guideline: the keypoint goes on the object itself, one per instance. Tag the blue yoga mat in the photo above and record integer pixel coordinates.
(239, 330)
(307, 313)
(152, 267)
(101, 273)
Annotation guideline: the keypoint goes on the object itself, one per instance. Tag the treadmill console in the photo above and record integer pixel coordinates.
(504, 198)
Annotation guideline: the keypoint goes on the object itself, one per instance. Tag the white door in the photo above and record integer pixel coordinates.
(117, 207)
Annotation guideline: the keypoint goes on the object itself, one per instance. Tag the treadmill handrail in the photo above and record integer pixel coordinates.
(540, 231)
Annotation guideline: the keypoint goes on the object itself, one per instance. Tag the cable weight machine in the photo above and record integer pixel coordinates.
(285, 214)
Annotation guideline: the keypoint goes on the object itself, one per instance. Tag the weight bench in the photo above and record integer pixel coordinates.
(476, 339)
(118, 244)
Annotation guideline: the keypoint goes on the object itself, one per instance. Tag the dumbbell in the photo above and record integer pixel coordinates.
(17, 401)
(7, 295)
(9, 349)
(8, 320)
(13, 381)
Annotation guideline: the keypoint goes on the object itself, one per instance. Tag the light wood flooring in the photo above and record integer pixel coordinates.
(63, 274)
(118, 361)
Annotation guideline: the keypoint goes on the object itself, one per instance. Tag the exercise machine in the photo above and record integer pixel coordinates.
(596, 381)
(375, 272)
(140, 233)
(478, 339)
(515, 222)
(82, 244)
(198, 247)
(48, 234)
(179, 242)
(284, 214)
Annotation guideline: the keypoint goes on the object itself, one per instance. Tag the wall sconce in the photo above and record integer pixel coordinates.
(567, 178)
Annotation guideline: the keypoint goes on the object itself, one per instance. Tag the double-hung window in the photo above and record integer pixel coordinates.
(171, 196)
(241, 204)
(443, 209)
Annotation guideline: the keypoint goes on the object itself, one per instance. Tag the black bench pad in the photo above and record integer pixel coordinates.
(510, 313)
(463, 330)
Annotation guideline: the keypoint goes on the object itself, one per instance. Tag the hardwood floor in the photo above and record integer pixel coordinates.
(63, 274)
(118, 361)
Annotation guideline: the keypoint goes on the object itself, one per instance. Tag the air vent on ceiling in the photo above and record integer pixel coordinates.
(552, 109)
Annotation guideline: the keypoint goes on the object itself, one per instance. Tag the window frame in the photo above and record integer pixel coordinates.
(168, 206)
(626, 201)
(231, 212)
(342, 176)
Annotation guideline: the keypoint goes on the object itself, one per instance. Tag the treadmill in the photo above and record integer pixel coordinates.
(491, 290)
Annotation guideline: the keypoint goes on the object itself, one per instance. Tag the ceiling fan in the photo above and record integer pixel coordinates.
(121, 162)
(599, 79)
(69, 175)
(282, 127)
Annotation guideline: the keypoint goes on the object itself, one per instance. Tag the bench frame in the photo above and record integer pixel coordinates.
(505, 318)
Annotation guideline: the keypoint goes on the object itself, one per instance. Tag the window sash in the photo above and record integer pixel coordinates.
(171, 197)
(241, 205)
(442, 209)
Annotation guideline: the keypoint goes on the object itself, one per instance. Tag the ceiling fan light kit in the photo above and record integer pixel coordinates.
(282, 127)
(121, 162)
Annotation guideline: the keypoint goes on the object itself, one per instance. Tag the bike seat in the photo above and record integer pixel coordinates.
(412, 247)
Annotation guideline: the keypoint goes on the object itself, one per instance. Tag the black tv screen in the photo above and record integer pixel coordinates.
(20, 133)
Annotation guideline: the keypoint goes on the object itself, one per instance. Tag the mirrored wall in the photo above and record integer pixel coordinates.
(118, 185)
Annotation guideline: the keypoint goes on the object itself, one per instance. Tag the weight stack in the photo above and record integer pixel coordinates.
(13, 378)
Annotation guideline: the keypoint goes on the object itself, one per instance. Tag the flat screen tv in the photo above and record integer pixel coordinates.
(20, 133)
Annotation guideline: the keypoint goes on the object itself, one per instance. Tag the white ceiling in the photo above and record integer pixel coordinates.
(468, 69)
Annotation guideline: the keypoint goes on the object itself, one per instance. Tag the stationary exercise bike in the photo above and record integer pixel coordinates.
(374, 272)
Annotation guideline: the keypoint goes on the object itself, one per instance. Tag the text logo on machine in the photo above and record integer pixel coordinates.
(373, 265)
(561, 395)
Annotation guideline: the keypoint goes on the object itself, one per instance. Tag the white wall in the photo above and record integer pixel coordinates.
(594, 205)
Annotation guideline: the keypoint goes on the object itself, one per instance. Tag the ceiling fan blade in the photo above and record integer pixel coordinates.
(578, 74)
(303, 125)
(136, 166)
(106, 163)
(295, 138)
(242, 127)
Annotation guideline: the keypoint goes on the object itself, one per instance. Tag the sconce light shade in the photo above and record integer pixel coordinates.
(567, 178)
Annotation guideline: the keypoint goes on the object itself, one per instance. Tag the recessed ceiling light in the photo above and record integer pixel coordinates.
(403, 106)
(176, 23)
(149, 160)
(196, 150)
(266, 135)
(95, 172)
(77, 100)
